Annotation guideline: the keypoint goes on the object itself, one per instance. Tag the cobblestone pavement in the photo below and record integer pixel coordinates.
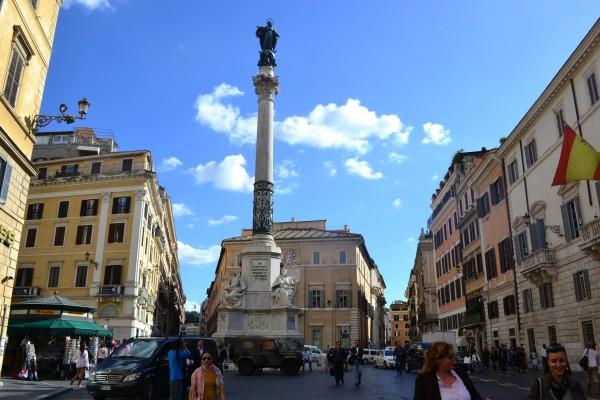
(377, 384)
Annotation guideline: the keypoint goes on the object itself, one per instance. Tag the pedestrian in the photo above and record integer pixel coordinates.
(222, 356)
(81, 364)
(197, 354)
(591, 368)
(440, 380)
(102, 352)
(177, 357)
(356, 359)
(307, 359)
(503, 358)
(207, 380)
(533, 359)
(521, 360)
(557, 384)
(399, 355)
(494, 358)
(544, 355)
(337, 357)
(485, 356)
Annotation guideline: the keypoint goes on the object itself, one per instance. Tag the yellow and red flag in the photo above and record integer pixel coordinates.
(579, 161)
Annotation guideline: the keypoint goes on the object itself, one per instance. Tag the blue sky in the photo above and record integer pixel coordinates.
(375, 98)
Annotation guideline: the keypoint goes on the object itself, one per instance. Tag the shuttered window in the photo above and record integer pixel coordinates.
(581, 282)
(35, 211)
(53, 276)
(560, 122)
(121, 205)
(63, 209)
(537, 233)
(530, 153)
(343, 298)
(546, 295)
(522, 247)
(483, 205)
(15, 73)
(527, 300)
(513, 172)
(571, 216)
(592, 86)
(316, 298)
(490, 264)
(112, 275)
(30, 239)
(42, 172)
(493, 310)
(509, 305)
(95, 168)
(89, 207)
(5, 173)
(116, 233)
(127, 164)
(84, 234)
(81, 276)
(24, 277)
(59, 236)
(497, 191)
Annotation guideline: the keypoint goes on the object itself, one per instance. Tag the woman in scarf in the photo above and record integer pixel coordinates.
(207, 381)
(557, 384)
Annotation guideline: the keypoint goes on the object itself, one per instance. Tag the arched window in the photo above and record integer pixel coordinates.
(109, 311)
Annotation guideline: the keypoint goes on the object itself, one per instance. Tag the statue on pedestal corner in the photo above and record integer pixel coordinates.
(234, 290)
(284, 289)
(267, 36)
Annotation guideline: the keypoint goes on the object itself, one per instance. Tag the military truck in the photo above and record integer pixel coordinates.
(251, 354)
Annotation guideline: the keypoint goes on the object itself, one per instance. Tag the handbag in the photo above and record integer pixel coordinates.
(583, 361)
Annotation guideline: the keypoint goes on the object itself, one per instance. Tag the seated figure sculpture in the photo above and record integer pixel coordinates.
(283, 289)
(233, 291)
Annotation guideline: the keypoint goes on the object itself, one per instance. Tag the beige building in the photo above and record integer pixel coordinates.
(399, 323)
(99, 230)
(340, 290)
(26, 37)
(556, 230)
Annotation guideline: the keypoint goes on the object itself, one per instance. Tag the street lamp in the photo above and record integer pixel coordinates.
(552, 228)
(39, 121)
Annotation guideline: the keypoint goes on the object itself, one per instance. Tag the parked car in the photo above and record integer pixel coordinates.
(368, 355)
(415, 356)
(318, 356)
(384, 358)
(251, 353)
(139, 368)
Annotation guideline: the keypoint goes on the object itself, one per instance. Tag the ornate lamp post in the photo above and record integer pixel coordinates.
(39, 121)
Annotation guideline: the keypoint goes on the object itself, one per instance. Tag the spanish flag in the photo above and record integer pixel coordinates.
(579, 161)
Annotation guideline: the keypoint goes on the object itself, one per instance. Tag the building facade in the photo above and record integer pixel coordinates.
(26, 36)
(399, 323)
(340, 290)
(99, 230)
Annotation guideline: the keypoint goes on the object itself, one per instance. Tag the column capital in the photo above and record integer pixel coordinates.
(265, 86)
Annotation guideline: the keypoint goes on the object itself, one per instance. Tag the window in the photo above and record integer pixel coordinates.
(571, 217)
(587, 328)
(537, 234)
(53, 275)
(581, 281)
(344, 336)
(59, 236)
(560, 122)
(546, 296)
(493, 310)
(552, 335)
(506, 255)
(592, 86)
(316, 298)
(126, 166)
(24, 277)
(63, 209)
(343, 298)
(15, 74)
(522, 248)
(35, 211)
(89, 207)
(112, 275)
(316, 258)
(497, 191)
(116, 233)
(343, 259)
(60, 139)
(527, 300)
(531, 340)
(530, 153)
(95, 170)
(316, 337)
(513, 172)
(30, 240)
(396, 318)
(84, 234)
(5, 172)
(69, 170)
(509, 305)
(483, 205)
(81, 276)
(42, 173)
(490, 264)
(121, 205)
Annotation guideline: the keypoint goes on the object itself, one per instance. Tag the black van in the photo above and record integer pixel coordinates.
(139, 368)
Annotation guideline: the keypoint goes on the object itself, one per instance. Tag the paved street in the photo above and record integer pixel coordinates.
(377, 384)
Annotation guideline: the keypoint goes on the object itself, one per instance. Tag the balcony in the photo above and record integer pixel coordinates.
(539, 266)
(472, 320)
(590, 233)
(110, 290)
(26, 291)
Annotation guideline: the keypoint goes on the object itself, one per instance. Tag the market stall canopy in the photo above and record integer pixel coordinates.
(53, 302)
(61, 327)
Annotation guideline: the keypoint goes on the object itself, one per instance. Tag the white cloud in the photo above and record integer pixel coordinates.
(190, 226)
(223, 220)
(410, 240)
(435, 177)
(229, 174)
(286, 169)
(397, 157)
(362, 169)
(330, 168)
(169, 164)
(436, 134)
(225, 118)
(397, 203)
(192, 305)
(197, 256)
(89, 4)
(348, 126)
(181, 210)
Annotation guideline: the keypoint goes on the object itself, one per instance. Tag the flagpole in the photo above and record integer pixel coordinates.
(581, 134)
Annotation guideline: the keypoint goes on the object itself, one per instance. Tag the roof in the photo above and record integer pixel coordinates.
(54, 302)
(299, 234)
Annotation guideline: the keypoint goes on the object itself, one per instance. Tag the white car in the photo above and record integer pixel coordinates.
(384, 359)
(318, 356)
(368, 355)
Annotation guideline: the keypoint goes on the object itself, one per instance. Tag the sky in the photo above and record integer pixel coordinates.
(375, 98)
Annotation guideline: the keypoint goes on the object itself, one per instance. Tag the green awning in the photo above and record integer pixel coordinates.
(61, 327)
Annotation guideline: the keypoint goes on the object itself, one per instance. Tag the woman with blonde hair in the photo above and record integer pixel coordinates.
(207, 380)
(440, 380)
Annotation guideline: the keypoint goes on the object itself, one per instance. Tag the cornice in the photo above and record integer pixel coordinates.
(84, 179)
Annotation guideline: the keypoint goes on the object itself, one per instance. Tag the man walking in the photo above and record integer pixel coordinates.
(544, 356)
(177, 357)
(307, 359)
(337, 357)
(485, 356)
(356, 355)
(503, 358)
(592, 366)
(399, 356)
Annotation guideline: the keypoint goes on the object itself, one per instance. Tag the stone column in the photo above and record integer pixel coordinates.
(266, 86)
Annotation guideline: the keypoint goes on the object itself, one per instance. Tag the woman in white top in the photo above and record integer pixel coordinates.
(81, 364)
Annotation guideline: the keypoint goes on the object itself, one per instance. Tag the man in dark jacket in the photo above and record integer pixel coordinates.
(356, 359)
(337, 357)
(197, 354)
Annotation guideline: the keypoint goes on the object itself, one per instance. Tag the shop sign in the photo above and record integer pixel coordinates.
(45, 312)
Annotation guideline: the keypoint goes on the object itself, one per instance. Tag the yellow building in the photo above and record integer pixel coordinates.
(26, 36)
(340, 290)
(99, 230)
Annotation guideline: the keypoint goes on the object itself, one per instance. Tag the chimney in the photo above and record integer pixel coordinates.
(346, 228)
